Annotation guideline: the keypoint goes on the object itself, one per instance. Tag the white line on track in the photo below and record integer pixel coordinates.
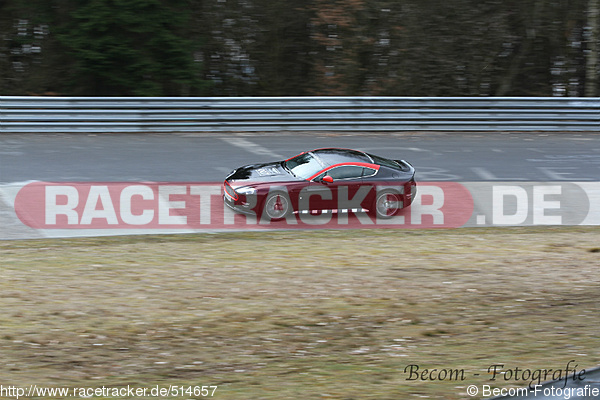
(224, 170)
(251, 147)
(488, 176)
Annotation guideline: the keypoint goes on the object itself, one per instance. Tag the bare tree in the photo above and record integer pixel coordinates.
(591, 81)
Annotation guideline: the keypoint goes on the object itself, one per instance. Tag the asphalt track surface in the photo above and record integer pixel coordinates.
(209, 157)
(478, 162)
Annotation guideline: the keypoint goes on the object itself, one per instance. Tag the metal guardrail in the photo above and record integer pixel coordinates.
(177, 114)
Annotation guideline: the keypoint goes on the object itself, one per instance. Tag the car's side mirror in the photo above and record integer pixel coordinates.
(327, 179)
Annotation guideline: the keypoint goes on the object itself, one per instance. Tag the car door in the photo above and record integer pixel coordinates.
(334, 195)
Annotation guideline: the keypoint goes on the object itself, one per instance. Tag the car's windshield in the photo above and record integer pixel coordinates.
(303, 165)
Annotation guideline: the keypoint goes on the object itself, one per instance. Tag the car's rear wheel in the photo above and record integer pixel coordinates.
(276, 206)
(387, 204)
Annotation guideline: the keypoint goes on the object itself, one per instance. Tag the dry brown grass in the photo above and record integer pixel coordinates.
(299, 315)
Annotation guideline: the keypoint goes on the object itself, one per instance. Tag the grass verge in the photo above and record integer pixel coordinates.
(298, 315)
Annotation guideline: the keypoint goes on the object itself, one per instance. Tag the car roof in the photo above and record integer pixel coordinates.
(333, 156)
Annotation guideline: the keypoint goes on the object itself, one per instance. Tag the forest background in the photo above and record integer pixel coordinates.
(299, 48)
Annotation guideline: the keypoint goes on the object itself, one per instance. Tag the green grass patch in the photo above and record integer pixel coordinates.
(299, 315)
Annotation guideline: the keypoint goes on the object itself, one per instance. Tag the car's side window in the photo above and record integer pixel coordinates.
(366, 172)
(345, 172)
(319, 177)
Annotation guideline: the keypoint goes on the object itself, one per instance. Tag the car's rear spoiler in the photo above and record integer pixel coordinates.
(405, 165)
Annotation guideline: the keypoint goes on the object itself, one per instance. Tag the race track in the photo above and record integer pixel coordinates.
(570, 161)
(209, 157)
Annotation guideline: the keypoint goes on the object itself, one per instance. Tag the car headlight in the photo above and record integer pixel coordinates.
(246, 191)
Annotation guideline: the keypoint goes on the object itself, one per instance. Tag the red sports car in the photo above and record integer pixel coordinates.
(329, 180)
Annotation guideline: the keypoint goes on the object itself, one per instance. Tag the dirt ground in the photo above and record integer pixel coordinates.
(301, 315)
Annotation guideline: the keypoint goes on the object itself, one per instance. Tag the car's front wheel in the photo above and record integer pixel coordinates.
(387, 204)
(276, 206)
